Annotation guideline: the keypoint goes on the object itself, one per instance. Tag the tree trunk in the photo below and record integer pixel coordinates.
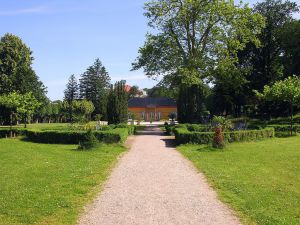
(292, 112)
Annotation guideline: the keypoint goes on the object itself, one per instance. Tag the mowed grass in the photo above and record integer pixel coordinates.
(260, 180)
(50, 184)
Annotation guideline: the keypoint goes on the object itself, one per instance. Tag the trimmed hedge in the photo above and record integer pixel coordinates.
(184, 136)
(285, 130)
(5, 132)
(117, 135)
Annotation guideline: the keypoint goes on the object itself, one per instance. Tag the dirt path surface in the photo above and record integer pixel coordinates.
(154, 185)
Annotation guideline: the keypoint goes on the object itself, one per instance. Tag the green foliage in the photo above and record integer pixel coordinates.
(7, 132)
(287, 90)
(117, 106)
(89, 141)
(191, 103)
(107, 135)
(221, 121)
(193, 37)
(94, 85)
(20, 105)
(184, 136)
(16, 73)
(81, 110)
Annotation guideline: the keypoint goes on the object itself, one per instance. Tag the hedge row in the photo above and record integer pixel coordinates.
(6, 132)
(117, 135)
(184, 136)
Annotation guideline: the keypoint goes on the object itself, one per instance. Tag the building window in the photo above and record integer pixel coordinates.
(151, 115)
(143, 115)
(158, 115)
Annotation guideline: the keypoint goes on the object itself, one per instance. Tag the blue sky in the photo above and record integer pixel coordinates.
(66, 36)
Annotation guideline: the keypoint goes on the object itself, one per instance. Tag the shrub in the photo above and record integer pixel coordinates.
(55, 136)
(184, 136)
(89, 141)
(218, 140)
(117, 135)
(6, 132)
(222, 122)
(283, 130)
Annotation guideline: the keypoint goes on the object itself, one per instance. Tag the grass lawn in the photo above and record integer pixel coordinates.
(260, 180)
(49, 184)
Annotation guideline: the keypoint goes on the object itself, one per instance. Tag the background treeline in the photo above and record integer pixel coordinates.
(91, 98)
(220, 76)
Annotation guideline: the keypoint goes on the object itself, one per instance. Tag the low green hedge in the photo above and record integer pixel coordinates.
(184, 136)
(117, 135)
(5, 132)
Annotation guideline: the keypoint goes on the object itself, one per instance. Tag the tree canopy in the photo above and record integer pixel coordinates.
(195, 37)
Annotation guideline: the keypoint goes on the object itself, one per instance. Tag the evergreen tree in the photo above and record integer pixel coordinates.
(94, 86)
(71, 92)
(191, 103)
(117, 106)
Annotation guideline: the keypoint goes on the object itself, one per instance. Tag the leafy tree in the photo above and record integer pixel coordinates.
(191, 103)
(266, 61)
(16, 73)
(162, 91)
(82, 109)
(117, 107)
(289, 39)
(134, 92)
(287, 90)
(94, 86)
(22, 105)
(194, 37)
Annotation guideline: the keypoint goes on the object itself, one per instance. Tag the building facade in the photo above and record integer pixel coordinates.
(152, 109)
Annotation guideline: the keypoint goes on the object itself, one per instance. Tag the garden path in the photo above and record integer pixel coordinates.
(153, 184)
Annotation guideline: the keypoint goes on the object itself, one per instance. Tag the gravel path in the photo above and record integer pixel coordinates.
(154, 185)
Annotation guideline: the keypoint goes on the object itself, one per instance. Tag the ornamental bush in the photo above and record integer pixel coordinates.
(6, 132)
(117, 135)
(184, 136)
(89, 141)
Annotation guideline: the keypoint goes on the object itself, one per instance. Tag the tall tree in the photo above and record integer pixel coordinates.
(16, 73)
(191, 103)
(287, 90)
(194, 37)
(94, 86)
(289, 38)
(117, 106)
(266, 59)
(71, 92)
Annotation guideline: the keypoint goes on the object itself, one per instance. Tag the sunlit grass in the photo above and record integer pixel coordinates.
(49, 184)
(260, 180)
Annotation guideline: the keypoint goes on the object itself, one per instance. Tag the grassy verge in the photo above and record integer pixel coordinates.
(260, 180)
(50, 184)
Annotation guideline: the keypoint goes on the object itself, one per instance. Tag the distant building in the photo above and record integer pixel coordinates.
(154, 109)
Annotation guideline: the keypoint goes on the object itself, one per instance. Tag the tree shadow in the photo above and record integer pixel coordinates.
(169, 143)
